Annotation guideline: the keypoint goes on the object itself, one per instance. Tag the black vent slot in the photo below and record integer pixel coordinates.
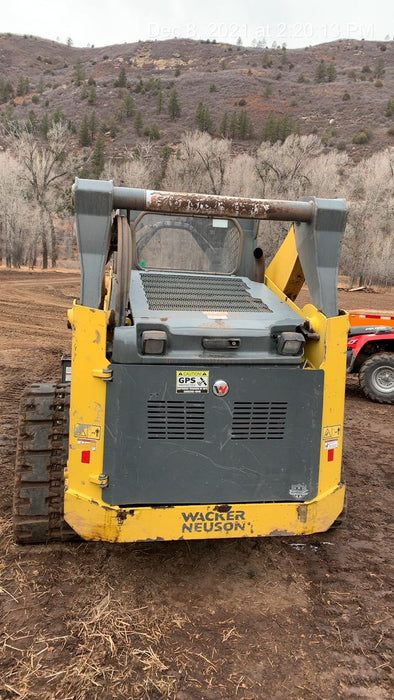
(176, 420)
(259, 420)
(198, 293)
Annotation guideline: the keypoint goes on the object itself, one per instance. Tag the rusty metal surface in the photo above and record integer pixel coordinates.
(212, 205)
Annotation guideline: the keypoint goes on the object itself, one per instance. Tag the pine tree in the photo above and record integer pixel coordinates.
(121, 80)
(245, 126)
(204, 118)
(22, 87)
(98, 157)
(233, 128)
(128, 106)
(32, 122)
(321, 72)
(270, 130)
(93, 126)
(154, 132)
(331, 72)
(224, 125)
(85, 138)
(379, 69)
(174, 106)
(159, 101)
(79, 73)
(45, 125)
(92, 96)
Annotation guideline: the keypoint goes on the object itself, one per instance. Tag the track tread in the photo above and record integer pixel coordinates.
(39, 471)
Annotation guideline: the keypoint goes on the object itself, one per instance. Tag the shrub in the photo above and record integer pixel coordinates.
(362, 137)
(390, 108)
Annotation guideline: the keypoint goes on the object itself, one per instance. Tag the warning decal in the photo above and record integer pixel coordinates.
(192, 381)
(331, 431)
(84, 430)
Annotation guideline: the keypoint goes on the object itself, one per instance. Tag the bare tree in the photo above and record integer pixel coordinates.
(137, 168)
(16, 216)
(368, 250)
(45, 163)
(200, 165)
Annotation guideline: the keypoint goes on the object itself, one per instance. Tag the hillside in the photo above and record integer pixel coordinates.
(38, 77)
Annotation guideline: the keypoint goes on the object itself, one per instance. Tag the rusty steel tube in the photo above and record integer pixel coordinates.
(211, 205)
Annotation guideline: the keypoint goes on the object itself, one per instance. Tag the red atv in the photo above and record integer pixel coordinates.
(370, 353)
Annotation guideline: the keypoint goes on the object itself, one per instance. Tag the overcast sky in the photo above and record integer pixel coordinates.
(104, 22)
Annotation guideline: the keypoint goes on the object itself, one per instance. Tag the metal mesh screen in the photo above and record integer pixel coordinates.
(198, 293)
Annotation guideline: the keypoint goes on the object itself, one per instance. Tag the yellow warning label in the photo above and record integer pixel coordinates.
(192, 381)
(84, 430)
(331, 431)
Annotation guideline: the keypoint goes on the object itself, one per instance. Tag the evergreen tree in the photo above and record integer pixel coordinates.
(331, 72)
(390, 108)
(93, 126)
(128, 106)
(154, 132)
(233, 128)
(58, 116)
(98, 157)
(224, 125)
(321, 72)
(284, 58)
(174, 105)
(32, 122)
(22, 87)
(45, 125)
(379, 69)
(85, 138)
(79, 73)
(270, 129)
(204, 118)
(159, 101)
(121, 80)
(245, 126)
(92, 97)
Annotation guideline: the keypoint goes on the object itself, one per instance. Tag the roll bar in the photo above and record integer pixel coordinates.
(320, 224)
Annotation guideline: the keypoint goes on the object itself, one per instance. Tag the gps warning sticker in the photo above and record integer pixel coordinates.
(192, 381)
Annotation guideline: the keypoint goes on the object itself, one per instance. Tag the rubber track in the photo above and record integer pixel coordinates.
(42, 449)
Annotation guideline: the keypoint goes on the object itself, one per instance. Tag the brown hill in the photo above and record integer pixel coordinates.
(38, 77)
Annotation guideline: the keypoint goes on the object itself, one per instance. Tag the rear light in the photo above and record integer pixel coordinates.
(289, 343)
(154, 342)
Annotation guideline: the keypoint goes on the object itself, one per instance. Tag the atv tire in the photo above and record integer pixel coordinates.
(377, 377)
(42, 450)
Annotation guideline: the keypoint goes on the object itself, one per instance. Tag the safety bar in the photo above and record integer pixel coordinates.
(212, 205)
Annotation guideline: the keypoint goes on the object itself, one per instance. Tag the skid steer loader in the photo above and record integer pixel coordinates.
(202, 401)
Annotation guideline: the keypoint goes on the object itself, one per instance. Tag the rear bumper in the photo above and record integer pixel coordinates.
(98, 521)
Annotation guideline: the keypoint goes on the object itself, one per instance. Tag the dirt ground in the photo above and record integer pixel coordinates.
(295, 618)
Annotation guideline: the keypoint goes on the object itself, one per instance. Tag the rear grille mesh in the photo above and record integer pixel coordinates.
(198, 293)
(265, 420)
(176, 420)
